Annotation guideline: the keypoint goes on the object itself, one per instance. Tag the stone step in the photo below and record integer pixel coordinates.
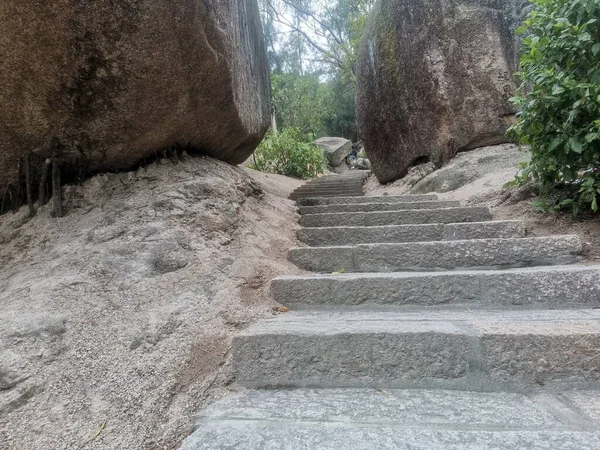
(311, 194)
(318, 191)
(337, 188)
(394, 419)
(538, 287)
(440, 255)
(382, 199)
(476, 350)
(403, 217)
(335, 236)
(369, 207)
(335, 180)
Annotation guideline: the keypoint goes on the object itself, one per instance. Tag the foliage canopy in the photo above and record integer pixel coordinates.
(559, 101)
(284, 153)
(313, 47)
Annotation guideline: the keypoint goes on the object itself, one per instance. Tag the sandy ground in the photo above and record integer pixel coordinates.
(477, 178)
(116, 320)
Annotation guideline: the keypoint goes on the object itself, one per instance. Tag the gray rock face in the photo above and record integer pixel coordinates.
(115, 82)
(336, 149)
(434, 77)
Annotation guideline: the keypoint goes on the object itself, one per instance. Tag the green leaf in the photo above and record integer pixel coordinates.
(576, 145)
(557, 89)
(554, 144)
(591, 137)
(536, 54)
(594, 204)
(596, 48)
(522, 29)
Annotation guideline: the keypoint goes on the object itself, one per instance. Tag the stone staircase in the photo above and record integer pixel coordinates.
(429, 326)
(347, 184)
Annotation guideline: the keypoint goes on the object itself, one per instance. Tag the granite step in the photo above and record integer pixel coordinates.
(382, 199)
(336, 236)
(475, 350)
(312, 194)
(538, 287)
(401, 217)
(440, 255)
(370, 207)
(395, 419)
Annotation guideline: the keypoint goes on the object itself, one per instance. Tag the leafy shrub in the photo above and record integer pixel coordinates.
(285, 153)
(559, 101)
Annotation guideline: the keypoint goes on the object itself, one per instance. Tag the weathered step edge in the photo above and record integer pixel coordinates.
(252, 434)
(540, 287)
(406, 408)
(375, 207)
(324, 194)
(440, 255)
(392, 418)
(340, 236)
(389, 350)
(383, 199)
(401, 217)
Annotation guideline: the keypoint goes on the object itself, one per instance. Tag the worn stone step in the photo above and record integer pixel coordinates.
(382, 199)
(369, 207)
(251, 434)
(318, 191)
(476, 350)
(335, 236)
(299, 195)
(337, 188)
(538, 287)
(403, 217)
(336, 179)
(333, 180)
(340, 186)
(415, 419)
(440, 255)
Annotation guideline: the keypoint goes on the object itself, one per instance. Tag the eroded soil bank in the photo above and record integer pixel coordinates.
(116, 320)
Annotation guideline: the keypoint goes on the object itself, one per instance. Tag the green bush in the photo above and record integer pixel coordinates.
(285, 153)
(559, 101)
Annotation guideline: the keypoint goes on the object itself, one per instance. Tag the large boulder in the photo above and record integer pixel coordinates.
(335, 148)
(434, 79)
(115, 81)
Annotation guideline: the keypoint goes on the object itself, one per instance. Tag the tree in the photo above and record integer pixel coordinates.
(332, 29)
(313, 47)
(302, 102)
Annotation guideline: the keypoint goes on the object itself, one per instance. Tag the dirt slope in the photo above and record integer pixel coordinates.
(116, 319)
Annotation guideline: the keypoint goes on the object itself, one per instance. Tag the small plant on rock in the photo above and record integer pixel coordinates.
(559, 101)
(285, 154)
